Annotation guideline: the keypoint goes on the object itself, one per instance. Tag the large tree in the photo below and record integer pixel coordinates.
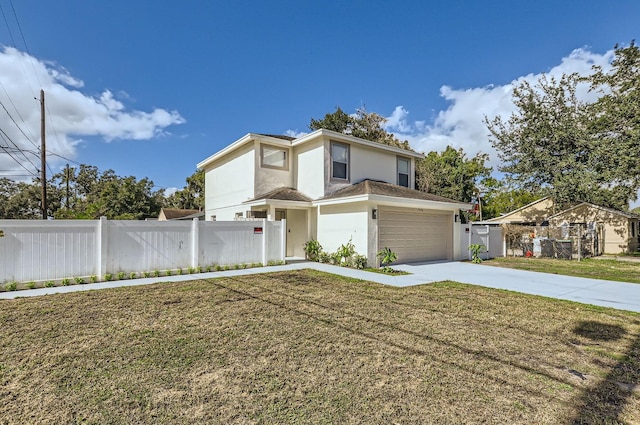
(191, 196)
(451, 174)
(572, 150)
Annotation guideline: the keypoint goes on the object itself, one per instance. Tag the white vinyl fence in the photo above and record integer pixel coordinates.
(489, 236)
(33, 250)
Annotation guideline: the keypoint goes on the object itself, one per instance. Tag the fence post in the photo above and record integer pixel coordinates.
(283, 240)
(102, 248)
(264, 242)
(194, 242)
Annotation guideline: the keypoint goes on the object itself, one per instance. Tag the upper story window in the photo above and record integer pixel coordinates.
(404, 165)
(273, 157)
(339, 161)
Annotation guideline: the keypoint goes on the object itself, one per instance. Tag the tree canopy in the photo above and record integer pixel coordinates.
(362, 124)
(570, 149)
(451, 174)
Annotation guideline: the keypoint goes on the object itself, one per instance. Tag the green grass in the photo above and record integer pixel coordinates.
(306, 347)
(621, 271)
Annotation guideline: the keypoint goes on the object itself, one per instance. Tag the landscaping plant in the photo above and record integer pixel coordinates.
(476, 249)
(386, 257)
(312, 250)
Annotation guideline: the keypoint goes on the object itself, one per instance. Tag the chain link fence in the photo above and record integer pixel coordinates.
(569, 242)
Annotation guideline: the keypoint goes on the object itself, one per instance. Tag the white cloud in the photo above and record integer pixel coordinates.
(461, 125)
(72, 114)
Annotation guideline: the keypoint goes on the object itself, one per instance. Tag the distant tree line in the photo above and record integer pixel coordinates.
(87, 193)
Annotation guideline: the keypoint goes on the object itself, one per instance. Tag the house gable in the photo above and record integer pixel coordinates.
(535, 212)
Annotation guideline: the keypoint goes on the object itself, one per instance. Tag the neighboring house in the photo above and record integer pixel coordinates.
(179, 214)
(617, 230)
(620, 229)
(334, 188)
(533, 214)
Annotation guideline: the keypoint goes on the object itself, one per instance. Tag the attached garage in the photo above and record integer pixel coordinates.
(415, 234)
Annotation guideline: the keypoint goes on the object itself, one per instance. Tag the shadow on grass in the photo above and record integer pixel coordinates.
(407, 347)
(605, 402)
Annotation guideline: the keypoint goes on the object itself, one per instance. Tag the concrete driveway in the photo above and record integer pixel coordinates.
(624, 296)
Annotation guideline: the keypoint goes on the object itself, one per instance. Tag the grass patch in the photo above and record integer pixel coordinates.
(308, 347)
(621, 271)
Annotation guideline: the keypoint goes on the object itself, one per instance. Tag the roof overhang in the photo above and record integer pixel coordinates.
(279, 203)
(394, 201)
(249, 137)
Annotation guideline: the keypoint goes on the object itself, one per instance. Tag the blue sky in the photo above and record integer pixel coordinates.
(150, 88)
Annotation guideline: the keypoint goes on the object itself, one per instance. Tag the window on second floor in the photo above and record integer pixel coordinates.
(273, 157)
(339, 161)
(404, 165)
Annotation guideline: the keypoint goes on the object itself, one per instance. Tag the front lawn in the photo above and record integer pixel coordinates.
(621, 271)
(312, 348)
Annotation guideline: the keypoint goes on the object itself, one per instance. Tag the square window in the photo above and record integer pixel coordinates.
(273, 157)
(404, 165)
(339, 161)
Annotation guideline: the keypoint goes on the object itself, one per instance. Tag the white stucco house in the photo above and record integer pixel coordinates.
(333, 187)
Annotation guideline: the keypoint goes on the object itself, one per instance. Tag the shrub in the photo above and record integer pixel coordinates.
(122, 275)
(324, 257)
(218, 268)
(312, 250)
(49, 284)
(79, 280)
(146, 274)
(31, 285)
(66, 282)
(133, 275)
(11, 286)
(476, 249)
(386, 257)
(360, 262)
(156, 273)
(108, 277)
(345, 253)
(191, 270)
(179, 271)
(93, 279)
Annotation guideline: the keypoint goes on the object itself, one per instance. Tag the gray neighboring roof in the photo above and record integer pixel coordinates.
(177, 213)
(283, 194)
(374, 187)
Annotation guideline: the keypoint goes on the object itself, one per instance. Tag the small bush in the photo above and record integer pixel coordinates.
(324, 257)
(11, 286)
(108, 277)
(312, 250)
(191, 270)
(122, 276)
(49, 284)
(179, 271)
(93, 279)
(360, 262)
(78, 280)
(66, 282)
(219, 268)
(133, 275)
(386, 257)
(146, 274)
(30, 285)
(156, 273)
(476, 249)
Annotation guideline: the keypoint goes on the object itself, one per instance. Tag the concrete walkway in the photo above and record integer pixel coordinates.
(625, 296)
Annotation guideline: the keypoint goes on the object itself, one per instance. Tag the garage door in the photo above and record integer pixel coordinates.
(415, 235)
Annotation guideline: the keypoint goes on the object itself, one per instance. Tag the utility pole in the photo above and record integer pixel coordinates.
(66, 173)
(43, 157)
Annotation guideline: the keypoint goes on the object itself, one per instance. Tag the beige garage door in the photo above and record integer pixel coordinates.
(415, 235)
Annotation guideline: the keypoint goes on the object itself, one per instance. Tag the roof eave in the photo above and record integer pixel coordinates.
(348, 138)
(239, 143)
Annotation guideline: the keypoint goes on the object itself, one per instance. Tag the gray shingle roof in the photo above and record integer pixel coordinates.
(283, 194)
(373, 187)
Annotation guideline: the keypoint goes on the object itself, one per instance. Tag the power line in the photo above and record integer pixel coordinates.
(5, 136)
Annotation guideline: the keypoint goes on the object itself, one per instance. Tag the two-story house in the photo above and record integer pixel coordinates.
(334, 188)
